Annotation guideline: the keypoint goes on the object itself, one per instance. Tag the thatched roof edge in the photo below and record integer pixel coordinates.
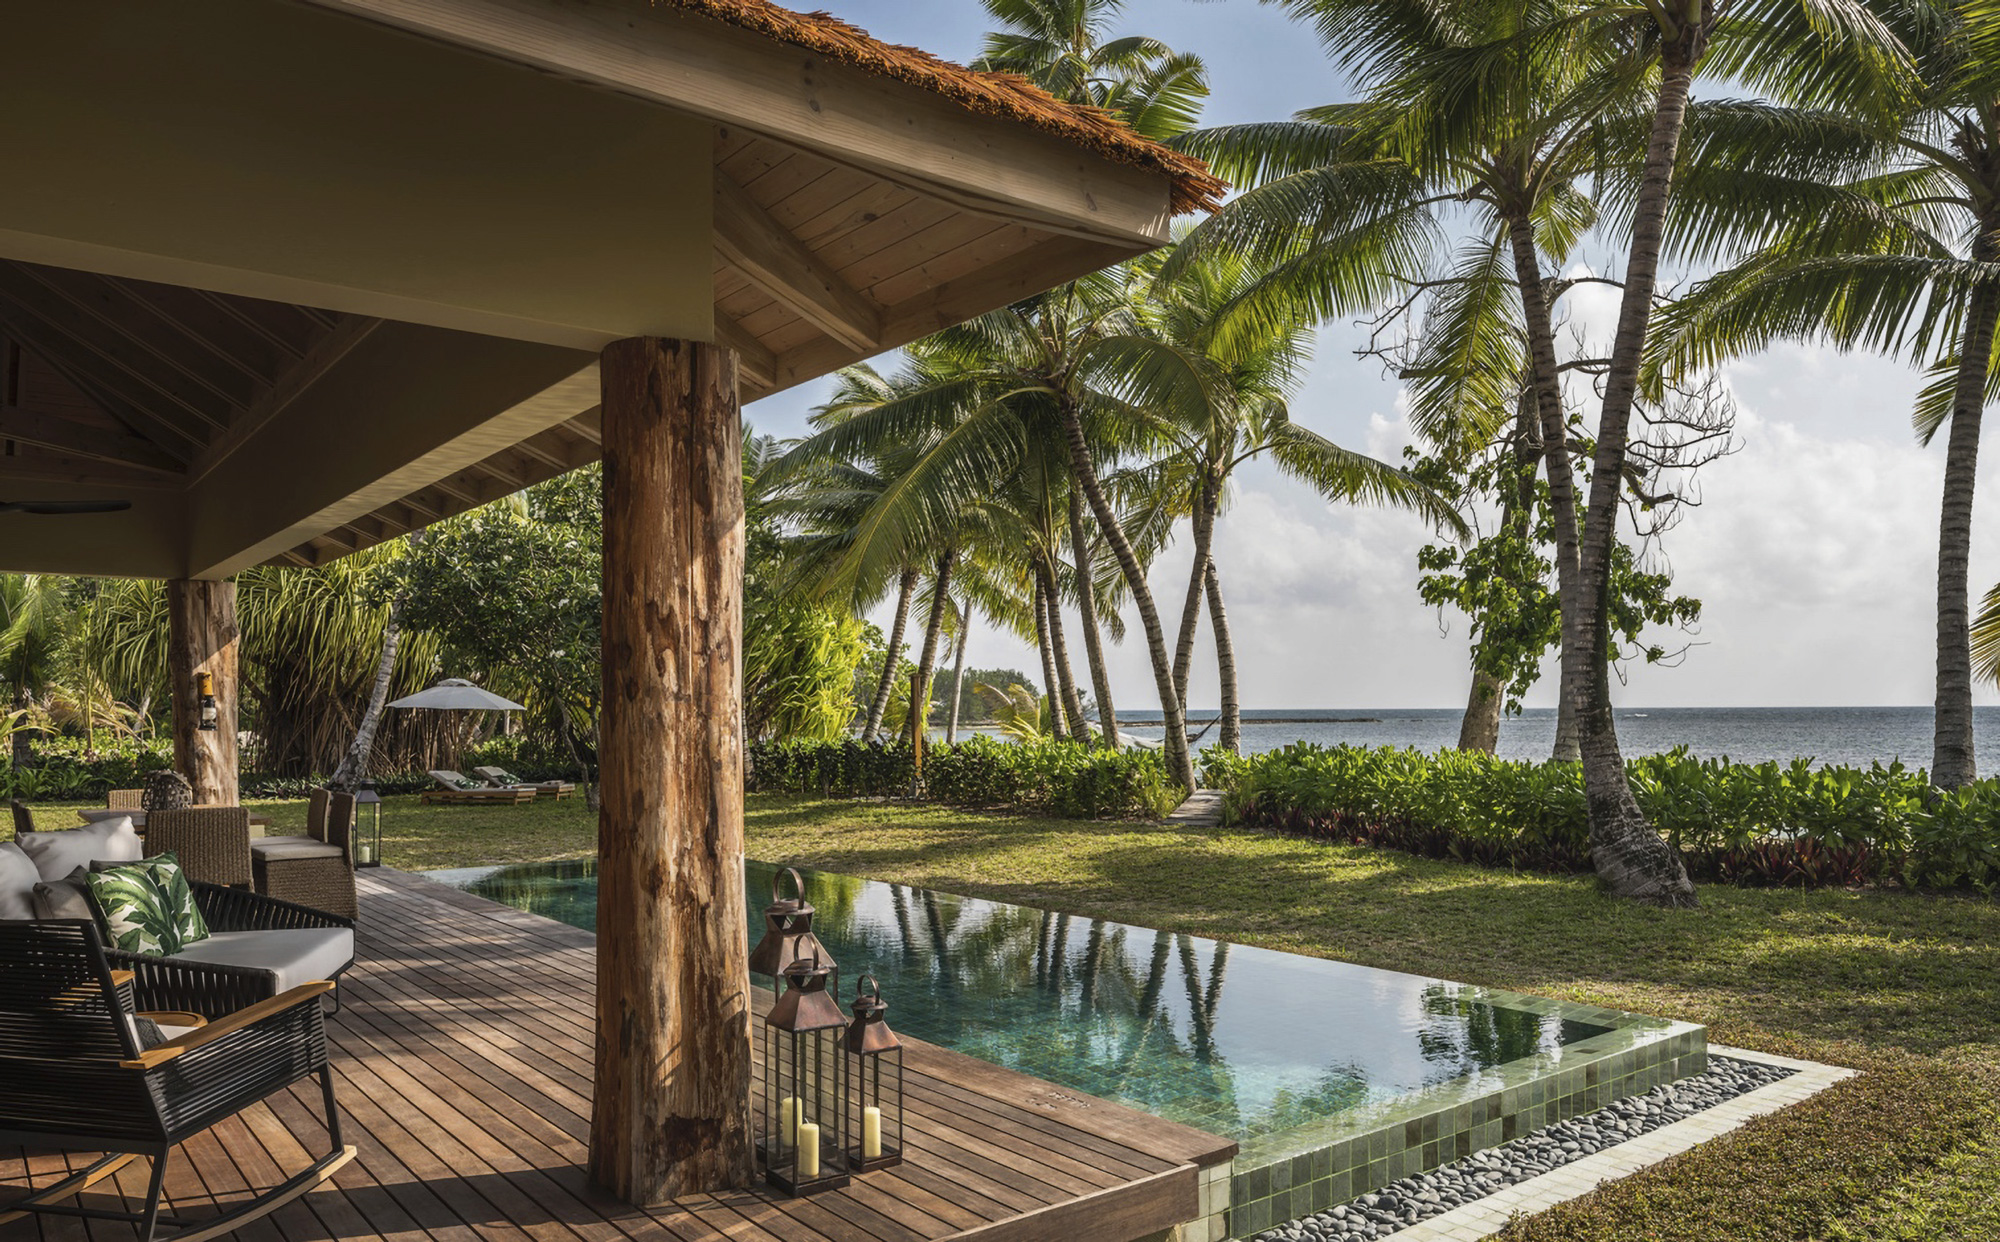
(992, 94)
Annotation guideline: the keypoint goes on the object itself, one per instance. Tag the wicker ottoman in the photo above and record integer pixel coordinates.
(305, 872)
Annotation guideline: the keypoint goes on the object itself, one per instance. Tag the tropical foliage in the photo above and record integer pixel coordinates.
(1764, 824)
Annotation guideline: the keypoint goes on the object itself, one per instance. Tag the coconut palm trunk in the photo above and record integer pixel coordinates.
(353, 767)
(1056, 729)
(1631, 858)
(1203, 524)
(1081, 552)
(1071, 705)
(1952, 760)
(1231, 738)
(1180, 763)
(1546, 382)
(920, 688)
(958, 673)
(906, 587)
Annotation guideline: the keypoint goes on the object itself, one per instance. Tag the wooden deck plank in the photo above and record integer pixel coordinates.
(462, 1058)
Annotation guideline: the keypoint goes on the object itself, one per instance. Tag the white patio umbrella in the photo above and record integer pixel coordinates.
(455, 694)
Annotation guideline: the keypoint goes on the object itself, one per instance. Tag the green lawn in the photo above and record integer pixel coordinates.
(1905, 986)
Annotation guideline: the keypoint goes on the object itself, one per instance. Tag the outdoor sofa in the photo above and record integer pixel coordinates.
(257, 947)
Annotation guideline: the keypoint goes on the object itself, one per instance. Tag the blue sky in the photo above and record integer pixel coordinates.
(1814, 550)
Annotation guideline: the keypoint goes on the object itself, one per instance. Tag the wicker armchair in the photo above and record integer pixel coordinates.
(81, 1080)
(24, 819)
(316, 869)
(125, 800)
(211, 842)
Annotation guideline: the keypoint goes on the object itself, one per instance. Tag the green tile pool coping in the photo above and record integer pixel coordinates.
(1292, 1173)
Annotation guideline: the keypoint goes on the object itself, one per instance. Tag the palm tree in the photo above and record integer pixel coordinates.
(1349, 203)
(1804, 50)
(989, 413)
(1063, 47)
(35, 623)
(1232, 405)
(1884, 237)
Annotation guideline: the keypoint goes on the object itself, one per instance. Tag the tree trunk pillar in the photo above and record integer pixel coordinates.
(202, 638)
(671, 1105)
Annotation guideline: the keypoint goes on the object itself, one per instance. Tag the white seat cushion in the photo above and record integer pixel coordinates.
(18, 877)
(272, 849)
(292, 955)
(56, 854)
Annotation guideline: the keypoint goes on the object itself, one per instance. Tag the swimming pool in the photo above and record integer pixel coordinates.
(1312, 1065)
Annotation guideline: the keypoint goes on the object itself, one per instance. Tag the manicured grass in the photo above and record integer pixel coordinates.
(1905, 987)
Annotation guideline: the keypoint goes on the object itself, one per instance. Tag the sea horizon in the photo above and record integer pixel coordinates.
(1854, 736)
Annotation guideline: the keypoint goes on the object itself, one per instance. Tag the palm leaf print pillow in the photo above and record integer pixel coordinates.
(147, 906)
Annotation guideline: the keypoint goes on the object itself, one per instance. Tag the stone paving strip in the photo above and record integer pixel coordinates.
(1584, 1170)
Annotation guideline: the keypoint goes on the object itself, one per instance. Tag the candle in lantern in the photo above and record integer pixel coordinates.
(871, 1132)
(364, 854)
(808, 1149)
(788, 1120)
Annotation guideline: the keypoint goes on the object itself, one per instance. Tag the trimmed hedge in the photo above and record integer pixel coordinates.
(1064, 779)
(1762, 824)
(62, 773)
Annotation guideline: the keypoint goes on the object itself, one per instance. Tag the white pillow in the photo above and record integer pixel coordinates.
(56, 854)
(18, 878)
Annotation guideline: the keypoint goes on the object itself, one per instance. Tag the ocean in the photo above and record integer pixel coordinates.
(1854, 736)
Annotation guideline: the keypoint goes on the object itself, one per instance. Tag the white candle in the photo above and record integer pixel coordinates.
(808, 1150)
(871, 1132)
(788, 1121)
(364, 853)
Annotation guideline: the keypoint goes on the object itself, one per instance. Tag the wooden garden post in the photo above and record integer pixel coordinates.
(202, 638)
(671, 1112)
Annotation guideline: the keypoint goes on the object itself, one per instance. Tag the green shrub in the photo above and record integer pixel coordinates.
(1064, 779)
(1758, 824)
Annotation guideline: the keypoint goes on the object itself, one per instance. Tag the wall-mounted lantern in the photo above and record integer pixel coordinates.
(204, 689)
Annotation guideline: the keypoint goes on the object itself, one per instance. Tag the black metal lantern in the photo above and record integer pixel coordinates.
(802, 1136)
(368, 831)
(788, 931)
(875, 1082)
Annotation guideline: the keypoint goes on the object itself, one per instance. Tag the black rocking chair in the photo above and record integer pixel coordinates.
(74, 1075)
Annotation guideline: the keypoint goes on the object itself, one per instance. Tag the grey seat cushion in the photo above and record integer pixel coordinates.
(18, 877)
(273, 849)
(56, 854)
(67, 898)
(291, 955)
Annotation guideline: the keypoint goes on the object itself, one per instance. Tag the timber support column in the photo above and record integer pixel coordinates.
(202, 638)
(671, 1106)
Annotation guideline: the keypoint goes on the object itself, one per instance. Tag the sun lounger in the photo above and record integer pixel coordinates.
(455, 789)
(501, 778)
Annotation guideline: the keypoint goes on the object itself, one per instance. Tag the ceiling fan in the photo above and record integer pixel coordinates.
(64, 506)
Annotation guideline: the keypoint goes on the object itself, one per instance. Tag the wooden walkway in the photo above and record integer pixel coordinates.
(463, 1060)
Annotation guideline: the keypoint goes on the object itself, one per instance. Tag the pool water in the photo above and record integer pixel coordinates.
(1238, 1041)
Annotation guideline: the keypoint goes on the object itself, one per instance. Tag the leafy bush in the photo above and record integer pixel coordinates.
(1064, 779)
(64, 771)
(1756, 824)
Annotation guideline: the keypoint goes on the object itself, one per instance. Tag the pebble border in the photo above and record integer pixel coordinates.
(1543, 1168)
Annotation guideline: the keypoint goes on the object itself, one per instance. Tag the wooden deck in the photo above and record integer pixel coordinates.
(463, 1060)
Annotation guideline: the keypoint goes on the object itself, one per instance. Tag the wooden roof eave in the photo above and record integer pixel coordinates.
(897, 130)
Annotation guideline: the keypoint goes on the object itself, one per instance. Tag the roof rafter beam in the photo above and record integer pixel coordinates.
(45, 431)
(758, 364)
(324, 355)
(774, 259)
